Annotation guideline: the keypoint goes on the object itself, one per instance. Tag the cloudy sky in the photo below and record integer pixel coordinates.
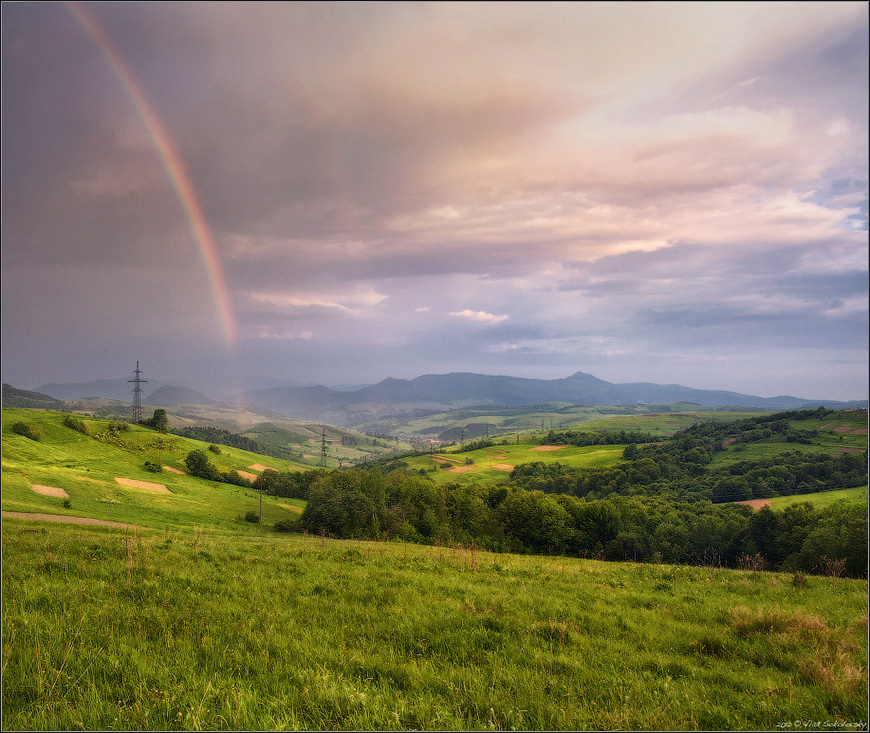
(342, 192)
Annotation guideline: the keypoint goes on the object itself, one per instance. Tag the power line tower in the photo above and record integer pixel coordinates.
(323, 448)
(137, 393)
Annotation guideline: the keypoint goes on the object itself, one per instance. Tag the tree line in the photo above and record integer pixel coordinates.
(358, 504)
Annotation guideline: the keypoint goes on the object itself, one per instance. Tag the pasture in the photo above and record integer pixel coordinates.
(104, 629)
(493, 465)
(87, 468)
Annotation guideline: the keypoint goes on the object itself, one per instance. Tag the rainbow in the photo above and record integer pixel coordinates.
(172, 165)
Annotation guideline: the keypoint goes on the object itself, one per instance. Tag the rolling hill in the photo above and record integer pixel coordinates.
(440, 392)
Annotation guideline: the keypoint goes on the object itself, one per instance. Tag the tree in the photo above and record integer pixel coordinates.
(198, 465)
(159, 421)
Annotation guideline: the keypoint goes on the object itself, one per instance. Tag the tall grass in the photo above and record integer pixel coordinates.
(106, 629)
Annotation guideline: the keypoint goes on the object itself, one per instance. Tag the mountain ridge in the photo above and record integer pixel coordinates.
(443, 392)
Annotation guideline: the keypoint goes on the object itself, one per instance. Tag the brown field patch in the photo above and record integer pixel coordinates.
(261, 467)
(549, 447)
(859, 431)
(247, 475)
(503, 466)
(843, 429)
(448, 458)
(147, 485)
(50, 491)
(755, 503)
(66, 520)
(174, 470)
(460, 469)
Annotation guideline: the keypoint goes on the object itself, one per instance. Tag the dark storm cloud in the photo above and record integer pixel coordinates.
(366, 170)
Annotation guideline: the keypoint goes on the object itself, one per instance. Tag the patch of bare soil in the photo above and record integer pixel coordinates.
(843, 429)
(50, 491)
(460, 469)
(260, 467)
(756, 503)
(174, 470)
(66, 520)
(549, 447)
(448, 458)
(859, 431)
(147, 485)
(247, 475)
(503, 466)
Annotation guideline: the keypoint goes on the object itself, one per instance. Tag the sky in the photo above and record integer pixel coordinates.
(244, 194)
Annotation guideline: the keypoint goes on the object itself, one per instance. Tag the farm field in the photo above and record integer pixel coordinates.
(823, 499)
(88, 469)
(541, 419)
(307, 633)
(840, 432)
(493, 465)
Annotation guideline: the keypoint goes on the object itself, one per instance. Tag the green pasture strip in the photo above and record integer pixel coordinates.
(486, 461)
(186, 629)
(823, 499)
(86, 469)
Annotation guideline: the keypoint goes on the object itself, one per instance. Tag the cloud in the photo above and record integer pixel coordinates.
(694, 195)
(480, 316)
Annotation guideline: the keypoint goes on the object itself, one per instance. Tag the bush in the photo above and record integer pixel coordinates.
(252, 517)
(153, 467)
(119, 427)
(76, 424)
(287, 525)
(28, 431)
(214, 449)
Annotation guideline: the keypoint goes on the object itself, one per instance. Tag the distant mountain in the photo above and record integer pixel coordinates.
(171, 395)
(13, 397)
(113, 389)
(438, 392)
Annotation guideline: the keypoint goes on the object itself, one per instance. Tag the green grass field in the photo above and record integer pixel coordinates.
(86, 469)
(493, 465)
(201, 621)
(823, 499)
(179, 629)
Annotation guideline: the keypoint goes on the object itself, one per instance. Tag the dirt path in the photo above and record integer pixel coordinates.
(66, 519)
(755, 503)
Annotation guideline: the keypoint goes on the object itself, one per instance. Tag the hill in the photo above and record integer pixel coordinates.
(23, 398)
(436, 393)
(86, 467)
(170, 395)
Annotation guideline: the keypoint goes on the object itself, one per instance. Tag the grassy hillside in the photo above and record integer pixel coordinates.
(661, 419)
(295, 633)
(492, 465)
(86, 468)
(823, 498)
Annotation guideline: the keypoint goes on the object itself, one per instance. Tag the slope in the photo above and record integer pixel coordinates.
(87, 466)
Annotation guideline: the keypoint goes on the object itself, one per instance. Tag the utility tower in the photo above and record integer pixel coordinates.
(137, 393)
(323, 448)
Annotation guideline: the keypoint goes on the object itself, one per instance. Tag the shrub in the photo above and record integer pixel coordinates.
(252, 517)
(119, 427)
(153, 467)
(67, 504)
(28, 431)
(76, 424)
(287, 525)
(214, 448)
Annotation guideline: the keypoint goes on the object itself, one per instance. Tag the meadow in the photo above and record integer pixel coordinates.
(493, 465)
(86, 468)
(822, 499)
(190, 630)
